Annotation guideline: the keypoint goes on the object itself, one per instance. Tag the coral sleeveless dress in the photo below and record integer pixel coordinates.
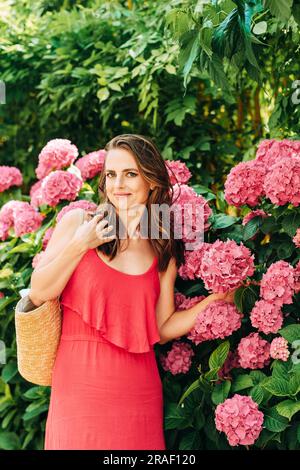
(106, 389)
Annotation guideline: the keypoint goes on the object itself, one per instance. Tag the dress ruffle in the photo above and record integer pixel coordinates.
(120, 308)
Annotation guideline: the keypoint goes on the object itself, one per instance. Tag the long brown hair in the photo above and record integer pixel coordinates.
(153, 168)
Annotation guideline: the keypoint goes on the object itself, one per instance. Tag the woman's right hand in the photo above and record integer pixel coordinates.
(93, 233)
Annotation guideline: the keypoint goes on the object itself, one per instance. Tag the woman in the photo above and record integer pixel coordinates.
(117, 295)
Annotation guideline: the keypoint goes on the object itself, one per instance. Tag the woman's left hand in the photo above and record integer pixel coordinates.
(226, 296)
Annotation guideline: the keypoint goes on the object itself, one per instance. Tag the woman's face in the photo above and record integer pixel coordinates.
(123, 176)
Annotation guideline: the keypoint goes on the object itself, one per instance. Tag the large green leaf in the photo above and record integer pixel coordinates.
(291, 332)
(219, 356)
(273, 421)
(220, 392)
(288, 408)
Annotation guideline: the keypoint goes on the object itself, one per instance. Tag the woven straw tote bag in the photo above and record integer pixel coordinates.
(38, 331)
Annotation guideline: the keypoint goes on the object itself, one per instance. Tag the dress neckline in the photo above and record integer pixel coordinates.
(122, 272)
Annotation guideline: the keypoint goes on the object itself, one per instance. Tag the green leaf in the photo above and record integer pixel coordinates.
(35, 412)
(194, 386)
(218, 357)
(291, 332)
(222, 221)
(295, 384)
(278, 387)
(175, 418)
(190, 441)
(242, 382)
(257, 376)
(199, 419)
(9, 371)
(9, 441)
(280, 370)
(257, 394)
(103, 94)
(273, 421)
(288, 408)
(220, 392)
(251, 228)
(280, 8)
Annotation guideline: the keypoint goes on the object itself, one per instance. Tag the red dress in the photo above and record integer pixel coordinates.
(106, 389)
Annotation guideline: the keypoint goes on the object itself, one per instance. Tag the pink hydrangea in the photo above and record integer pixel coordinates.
(277, 284)
(279, 349)
(271, 151)
(179, 359)
(296, 238)
(297, 278)
(188, 302)
(4, 230)
(266, 317)
(178, 172)
(240, 419)
(60, 185)
(191, 213)
(91, 164)
(218, 320)
(254, 352)
(21, 216)
(9, 176)
(282, 182)
(35, 193)
(244, 184)
(57, 154)
(253, 214)
(178, 299)
(225, 265)
(82, 204)
(232, 362)
(190, 269)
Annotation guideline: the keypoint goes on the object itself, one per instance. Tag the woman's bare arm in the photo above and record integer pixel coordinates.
(60, 259)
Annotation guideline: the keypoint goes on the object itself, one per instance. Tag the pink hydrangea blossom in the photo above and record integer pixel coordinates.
(297, 278)
(188, 302)
(57, 154)
(191, 213)
(82, 204)
(218, 320)
(266, 316)
(4, 231)
(240, 419)
(35, 193)
(296, 238)
(271, 151)
(279, 349)
(225, 265)
(282, 182)
(9, 176)
(254, 352)
(91, 164)
(21, 216)
(179, 359)
(60, 185)
(253, 214)
(178, 299)
(190, 269)
(232, 362)
(277, 284)
(178, 172)
(244, 184)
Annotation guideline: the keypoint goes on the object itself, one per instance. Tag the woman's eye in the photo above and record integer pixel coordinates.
(129, 173)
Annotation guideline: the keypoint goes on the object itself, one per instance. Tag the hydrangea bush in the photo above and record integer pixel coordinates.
(231, 382)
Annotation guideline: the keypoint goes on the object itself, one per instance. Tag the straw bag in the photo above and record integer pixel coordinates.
(38, 331)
